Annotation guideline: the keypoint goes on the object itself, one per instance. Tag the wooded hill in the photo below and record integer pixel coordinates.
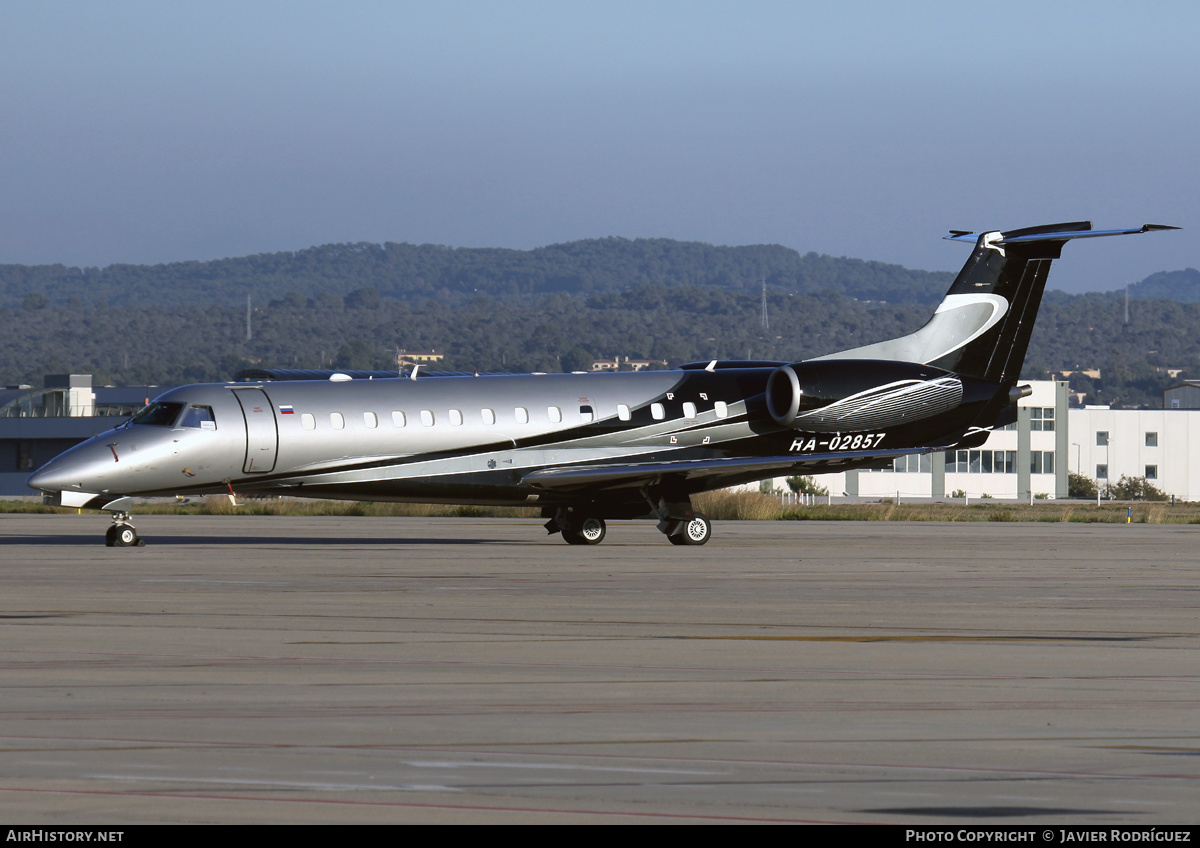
(551, 309)
(454, 275)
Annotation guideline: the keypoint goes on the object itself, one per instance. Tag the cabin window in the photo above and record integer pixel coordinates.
(689, 409)
(336, 420)
(489, 415)
(555, 414)
(398, 419)
(199, 417)
(721, 408)
(623, 412)
(307, 421)
(657, 411)
(371, 420)
(427, 417)
(586, 413)
(522, 415)
(456, 417)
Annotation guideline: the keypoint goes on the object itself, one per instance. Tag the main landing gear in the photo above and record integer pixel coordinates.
(693, 531)
(122, 534)
(584, 530)
(676, 520)
(577, 528)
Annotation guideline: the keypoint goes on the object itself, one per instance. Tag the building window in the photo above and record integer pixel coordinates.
(1101, 472)
(978, 462)
(1151, 472)
(1041, 462)
(1041, 418)
(912, 463)
(1102, 438)
(1152, 440)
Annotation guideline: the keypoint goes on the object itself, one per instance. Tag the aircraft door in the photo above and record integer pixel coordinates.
(262, 433)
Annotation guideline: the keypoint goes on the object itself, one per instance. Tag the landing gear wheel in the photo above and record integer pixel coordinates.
(695, 531)
(584, 531)
(123, 536)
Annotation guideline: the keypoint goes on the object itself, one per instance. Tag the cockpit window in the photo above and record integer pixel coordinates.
(158, 414)
(200, 417)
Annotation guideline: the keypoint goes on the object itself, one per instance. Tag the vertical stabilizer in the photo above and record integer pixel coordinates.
(982, 327)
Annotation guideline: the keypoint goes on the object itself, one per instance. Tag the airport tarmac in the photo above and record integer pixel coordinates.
(373, 670)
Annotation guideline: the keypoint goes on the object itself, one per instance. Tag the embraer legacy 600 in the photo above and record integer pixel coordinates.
(586, 447)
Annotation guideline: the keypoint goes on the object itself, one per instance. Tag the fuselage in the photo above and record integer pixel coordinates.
(476, 439)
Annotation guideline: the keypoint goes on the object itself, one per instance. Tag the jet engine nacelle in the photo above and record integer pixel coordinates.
(845, 395)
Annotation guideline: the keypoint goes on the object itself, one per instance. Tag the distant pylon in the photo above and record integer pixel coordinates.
(762, 317)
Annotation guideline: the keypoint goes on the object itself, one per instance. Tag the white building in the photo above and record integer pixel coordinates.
(1162, 445)
(1031, 458)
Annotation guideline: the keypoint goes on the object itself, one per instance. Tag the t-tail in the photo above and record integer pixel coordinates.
(982, 327)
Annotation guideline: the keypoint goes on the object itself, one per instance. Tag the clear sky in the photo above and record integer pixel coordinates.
(158, 131)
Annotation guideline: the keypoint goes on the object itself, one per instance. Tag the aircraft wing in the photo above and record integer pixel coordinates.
(574, 478)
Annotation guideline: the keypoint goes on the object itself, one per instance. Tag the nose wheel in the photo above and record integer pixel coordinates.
(122, 534)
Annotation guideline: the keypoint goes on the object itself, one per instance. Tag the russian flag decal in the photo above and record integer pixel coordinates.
(286, 410)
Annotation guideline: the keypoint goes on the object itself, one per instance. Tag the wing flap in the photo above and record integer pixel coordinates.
(573, 478)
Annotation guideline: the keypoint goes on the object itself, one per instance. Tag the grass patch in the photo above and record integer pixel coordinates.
(719, 506)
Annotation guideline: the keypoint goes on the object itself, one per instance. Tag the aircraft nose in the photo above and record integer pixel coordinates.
(46, 479)
(57, 475)
(81, 468)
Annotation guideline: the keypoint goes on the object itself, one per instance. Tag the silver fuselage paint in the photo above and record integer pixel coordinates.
(445, 439)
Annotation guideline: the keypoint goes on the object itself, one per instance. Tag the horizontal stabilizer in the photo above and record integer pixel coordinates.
(1020, 236)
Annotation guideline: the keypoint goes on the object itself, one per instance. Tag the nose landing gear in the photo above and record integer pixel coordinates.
(122, 534)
